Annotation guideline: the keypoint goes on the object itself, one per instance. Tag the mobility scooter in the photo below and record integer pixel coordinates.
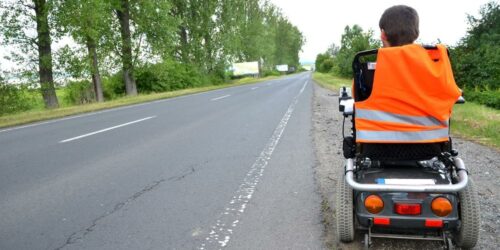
(404, 184)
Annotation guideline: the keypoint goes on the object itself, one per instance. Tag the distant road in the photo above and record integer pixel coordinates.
(228, 168)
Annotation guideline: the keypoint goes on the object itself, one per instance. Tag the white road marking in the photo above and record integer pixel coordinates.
(106, 129)
(221, 97)
(125, 107)
(221, 232)
(115, 109)
(254, 88)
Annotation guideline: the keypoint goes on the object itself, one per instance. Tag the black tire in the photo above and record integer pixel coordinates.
(344, 211)
(468, 233)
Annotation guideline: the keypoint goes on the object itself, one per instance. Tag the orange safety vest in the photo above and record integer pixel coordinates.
(412, 96)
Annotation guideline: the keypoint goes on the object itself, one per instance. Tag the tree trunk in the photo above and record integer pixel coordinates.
(209, 60)
(128, 68)
(179, 11)
(45, 55)
(184, 44)
(96, 77)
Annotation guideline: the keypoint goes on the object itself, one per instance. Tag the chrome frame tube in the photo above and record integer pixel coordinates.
(450, 188)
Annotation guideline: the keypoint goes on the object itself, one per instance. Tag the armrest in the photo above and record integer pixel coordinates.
(347, 106)
(460, 100)
(346, 102)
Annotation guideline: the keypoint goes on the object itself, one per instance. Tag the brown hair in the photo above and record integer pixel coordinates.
(400, 24)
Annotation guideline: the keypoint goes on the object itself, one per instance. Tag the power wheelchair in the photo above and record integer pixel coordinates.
(419, 191)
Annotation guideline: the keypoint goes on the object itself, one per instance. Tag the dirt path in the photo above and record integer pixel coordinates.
(483, 163)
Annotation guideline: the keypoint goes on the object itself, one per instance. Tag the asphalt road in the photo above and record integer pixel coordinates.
(229, 168)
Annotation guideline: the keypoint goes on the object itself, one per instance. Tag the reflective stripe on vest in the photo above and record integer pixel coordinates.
(396, 136)
(381, 116)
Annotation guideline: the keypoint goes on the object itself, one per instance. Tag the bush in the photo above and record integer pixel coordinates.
(271, 73)
(14, 99)
(213, 79)
(326, 65)
(320, 59)
(488, 98)
(301, 69)
(79, 92)
(113, 86)
(148, 81)
(168, 76)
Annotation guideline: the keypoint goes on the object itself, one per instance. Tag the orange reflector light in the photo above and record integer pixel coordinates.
(374, 204)
(434, 223)
(407, 209)
(441, 206)
(382, 221)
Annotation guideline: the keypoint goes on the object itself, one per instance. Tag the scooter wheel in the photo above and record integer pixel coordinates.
(468, 233)
(344, 210)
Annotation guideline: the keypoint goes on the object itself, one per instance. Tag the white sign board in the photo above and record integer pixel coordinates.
(282, 68)
(245, 68)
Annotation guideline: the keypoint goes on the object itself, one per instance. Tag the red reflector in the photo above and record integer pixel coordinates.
(381, 221)
(433, 223)
(407, 209)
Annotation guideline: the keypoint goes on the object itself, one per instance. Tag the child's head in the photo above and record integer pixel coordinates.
(399, 26)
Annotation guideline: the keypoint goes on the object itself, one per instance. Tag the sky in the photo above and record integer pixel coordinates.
(322, 22)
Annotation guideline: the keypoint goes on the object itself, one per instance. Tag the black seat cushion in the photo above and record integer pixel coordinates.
(394, 151)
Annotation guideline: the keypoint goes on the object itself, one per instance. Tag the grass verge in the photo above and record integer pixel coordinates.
(40, 115)
(330, 81)
(477, 122)
(470, 121)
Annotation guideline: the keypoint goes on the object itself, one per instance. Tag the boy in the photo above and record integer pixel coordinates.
(413, 89)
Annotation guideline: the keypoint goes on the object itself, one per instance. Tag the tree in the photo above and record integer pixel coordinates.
(324, 62)
(353, 40)
(147, 31)
(333, 50)
(253, 30)
(153, 29)
(19, 19)
(193, 37)
(199, 32)
(86, 21)
(476, 58)
(179, 11)
(122, 10)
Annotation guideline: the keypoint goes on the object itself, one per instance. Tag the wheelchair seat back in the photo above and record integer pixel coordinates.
(396, 142)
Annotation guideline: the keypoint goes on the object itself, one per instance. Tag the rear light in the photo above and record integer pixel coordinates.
(381, 221)
(441, 206)
(434, 223)
(374, 204)
(407, 209)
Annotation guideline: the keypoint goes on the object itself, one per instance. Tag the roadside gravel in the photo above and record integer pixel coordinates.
(483, 163)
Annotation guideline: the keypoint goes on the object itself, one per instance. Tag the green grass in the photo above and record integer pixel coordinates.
(330, 81)
(471, 121)
(477, 122)
(40, 114)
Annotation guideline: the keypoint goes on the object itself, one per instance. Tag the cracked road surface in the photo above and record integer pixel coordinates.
(230, 168)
